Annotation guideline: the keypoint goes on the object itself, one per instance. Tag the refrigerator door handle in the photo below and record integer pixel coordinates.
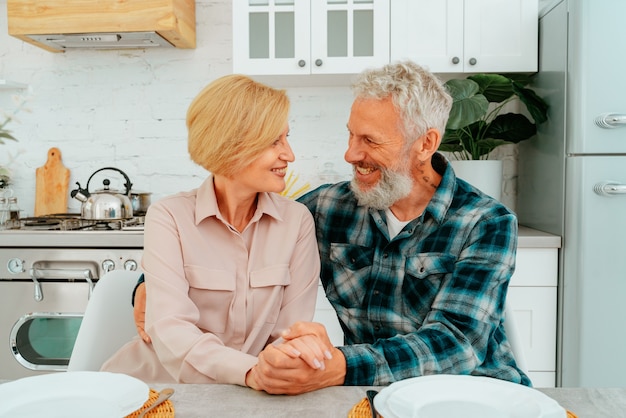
(610, 120)
(608, 188)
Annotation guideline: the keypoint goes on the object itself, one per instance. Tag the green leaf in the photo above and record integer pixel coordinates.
(495, 87)
(468, 105)
(511, 127)
(451, 141)
(520, 78)
(7, 135)
(536, 106)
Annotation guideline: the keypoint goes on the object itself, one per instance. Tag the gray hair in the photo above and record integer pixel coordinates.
(421, 98)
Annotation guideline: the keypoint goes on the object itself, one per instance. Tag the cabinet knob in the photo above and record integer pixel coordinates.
(472, 61)
(301, 63)
(455, 60)
(318, 62)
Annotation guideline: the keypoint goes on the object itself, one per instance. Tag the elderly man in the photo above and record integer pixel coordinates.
(415, 262)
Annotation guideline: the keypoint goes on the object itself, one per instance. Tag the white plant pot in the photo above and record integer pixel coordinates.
(485, 175)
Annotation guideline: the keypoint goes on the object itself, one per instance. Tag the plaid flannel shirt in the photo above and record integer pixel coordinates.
(431, 299)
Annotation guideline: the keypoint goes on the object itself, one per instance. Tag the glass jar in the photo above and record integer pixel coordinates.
(12, 214)
(4, 212)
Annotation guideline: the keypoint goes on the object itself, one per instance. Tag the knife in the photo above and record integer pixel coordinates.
(370, 399)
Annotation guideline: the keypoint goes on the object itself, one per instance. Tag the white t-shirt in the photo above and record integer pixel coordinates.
(394, 224)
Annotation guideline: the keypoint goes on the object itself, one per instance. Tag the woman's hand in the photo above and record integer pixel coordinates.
(139, 312)
(307, 341)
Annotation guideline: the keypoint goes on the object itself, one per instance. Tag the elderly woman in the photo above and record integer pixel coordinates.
(231, 264)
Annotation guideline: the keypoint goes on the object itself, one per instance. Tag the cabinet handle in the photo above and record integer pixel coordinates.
(455, 60)
(318, 62)
(301, 63)
(610, 120)
(472, 61)
(609, 188)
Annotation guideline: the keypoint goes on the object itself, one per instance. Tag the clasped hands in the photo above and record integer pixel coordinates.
(304, 360)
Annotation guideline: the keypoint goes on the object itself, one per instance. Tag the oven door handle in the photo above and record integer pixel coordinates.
(68, 274)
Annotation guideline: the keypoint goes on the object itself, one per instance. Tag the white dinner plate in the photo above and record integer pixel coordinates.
(73, 395)
(444, 396)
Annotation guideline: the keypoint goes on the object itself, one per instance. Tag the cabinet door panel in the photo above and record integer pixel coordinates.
(453, 36)
(501, 35)
(543, 379)
(348, 37)
(429, 32)
(271, 36)
(536, 267)
(535, 316)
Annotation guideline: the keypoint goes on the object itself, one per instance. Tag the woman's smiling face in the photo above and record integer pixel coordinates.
(267, 172)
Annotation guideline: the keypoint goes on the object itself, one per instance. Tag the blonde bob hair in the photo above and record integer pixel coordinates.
(232, 120)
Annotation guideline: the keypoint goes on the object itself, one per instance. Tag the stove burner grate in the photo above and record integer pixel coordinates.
(73, 222)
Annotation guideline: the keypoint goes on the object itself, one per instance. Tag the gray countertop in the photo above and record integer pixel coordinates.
(235, 401)
(528, 238)
(532, 238)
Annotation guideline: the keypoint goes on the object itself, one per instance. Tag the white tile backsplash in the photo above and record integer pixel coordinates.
(126, 109)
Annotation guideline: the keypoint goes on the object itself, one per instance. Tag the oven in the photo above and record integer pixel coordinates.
(48, 270)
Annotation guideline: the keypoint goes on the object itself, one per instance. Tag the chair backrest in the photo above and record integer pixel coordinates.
(108, 322)
(513, 334)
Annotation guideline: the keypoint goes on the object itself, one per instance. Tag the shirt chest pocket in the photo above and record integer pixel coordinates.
(352, 265)
(212, 291)
(424, 274)
(268, 287)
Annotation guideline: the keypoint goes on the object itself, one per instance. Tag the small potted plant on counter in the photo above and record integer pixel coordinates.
(477, 124)
(5, 134)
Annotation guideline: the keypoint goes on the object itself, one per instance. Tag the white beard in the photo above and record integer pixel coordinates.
(392, 186)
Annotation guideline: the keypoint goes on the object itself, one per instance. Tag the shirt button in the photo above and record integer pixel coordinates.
(376, 292)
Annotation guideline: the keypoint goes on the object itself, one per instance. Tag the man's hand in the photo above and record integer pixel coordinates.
(279, 371)
(139, 312)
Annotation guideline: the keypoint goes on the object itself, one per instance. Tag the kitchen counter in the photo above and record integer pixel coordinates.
(528, 238)
(532, 238)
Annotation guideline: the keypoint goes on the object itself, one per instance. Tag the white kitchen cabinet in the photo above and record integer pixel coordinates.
(532, 295)
(456, 36)
(309, 36)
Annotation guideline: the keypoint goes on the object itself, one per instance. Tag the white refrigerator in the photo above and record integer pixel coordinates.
(572, 182)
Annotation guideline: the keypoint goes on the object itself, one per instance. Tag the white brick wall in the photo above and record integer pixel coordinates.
(126, 109)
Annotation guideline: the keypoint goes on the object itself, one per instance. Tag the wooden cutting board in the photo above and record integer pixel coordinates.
(51, 187)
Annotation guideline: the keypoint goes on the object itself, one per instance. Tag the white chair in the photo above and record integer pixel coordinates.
(512, 333)
(108, 322)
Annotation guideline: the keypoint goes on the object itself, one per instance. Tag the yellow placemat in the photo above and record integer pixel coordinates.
(165, 410)
(362, 410)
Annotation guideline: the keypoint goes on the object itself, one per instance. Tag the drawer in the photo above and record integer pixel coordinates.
(536, 267)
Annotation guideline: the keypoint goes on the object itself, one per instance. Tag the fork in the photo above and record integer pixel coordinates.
(164, 395)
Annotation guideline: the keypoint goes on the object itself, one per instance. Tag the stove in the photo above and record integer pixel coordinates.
(70, 230)
(48, 268)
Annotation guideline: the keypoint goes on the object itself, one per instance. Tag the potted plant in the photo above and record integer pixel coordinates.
(5, 134)
(477, 124)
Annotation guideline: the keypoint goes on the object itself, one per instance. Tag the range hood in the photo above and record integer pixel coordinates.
(57, 25)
